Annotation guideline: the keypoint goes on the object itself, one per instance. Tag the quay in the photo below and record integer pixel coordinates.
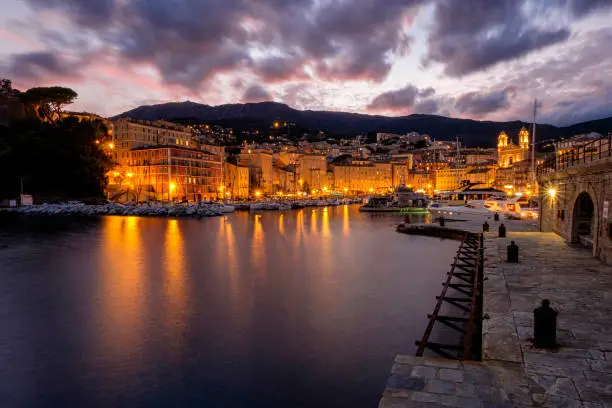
(513, 373)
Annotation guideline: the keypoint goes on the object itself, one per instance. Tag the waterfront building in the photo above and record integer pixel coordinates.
(132, 134)
(285, 181)
(174, 173)
(477, 156)
(261, 171)
(235, 181)
(312, 171)
(449, 178)
(482, 175)
(420, 180)
(363, 176)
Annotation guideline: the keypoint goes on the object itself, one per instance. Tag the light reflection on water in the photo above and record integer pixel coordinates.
(301, 308)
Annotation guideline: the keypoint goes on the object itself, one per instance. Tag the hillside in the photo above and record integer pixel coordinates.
(471, 132)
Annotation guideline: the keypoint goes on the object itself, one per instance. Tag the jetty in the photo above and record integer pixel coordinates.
(510, 370)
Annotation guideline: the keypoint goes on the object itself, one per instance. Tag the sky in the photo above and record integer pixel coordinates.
(479, 59)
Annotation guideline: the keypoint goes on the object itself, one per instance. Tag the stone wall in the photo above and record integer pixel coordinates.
(557, 214)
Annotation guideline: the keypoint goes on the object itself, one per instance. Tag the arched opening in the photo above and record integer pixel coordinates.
(582, 222)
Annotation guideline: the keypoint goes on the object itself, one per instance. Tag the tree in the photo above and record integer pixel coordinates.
(6, 88)
(47, 102)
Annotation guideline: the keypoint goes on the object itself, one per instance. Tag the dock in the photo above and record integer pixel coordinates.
(513, 373)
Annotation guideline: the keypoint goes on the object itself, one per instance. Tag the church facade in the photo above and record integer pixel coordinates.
(509, 153)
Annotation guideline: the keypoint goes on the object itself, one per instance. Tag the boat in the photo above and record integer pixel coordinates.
(470, 193)
(403, 201)
(268, 205)
(478, 210)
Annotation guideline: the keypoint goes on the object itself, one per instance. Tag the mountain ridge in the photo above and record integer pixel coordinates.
(471, 131)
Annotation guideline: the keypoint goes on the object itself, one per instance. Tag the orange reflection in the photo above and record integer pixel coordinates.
(121, 296)
(231, 260)
(257, 245)
(325, 224)
(281, 224)
(346, 230)
(299, 229)
(174, 275)
(313, 222)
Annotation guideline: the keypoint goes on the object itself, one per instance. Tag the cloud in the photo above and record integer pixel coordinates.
(428, 106)
(481, 103)
(42, 66)
(280, 69)
(191, 41)
(256, 93)
(398, 99)
(470, 36)
(88, 13)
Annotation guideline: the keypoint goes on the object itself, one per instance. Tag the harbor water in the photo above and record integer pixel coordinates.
(301, 308)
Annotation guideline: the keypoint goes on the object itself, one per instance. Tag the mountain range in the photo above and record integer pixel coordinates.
(471, 132)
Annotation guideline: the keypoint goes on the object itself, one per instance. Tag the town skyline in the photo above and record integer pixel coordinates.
(483, 62)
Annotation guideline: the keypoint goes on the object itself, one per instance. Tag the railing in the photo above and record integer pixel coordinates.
(589, 152)
(465, 277)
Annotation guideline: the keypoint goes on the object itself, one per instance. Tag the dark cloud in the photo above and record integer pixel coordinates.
(89, 13)
(41, 65)
(392, 100)
(278, 69)
(256, 93)
(427, 106)
(481, 103)
(190, 41)
(472, 35)
(427, 92)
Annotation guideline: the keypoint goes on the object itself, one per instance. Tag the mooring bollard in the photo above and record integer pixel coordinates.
(545, 326)
(502, 231)
(485, 227)
(513, 252)
(496, 217)
(441, 221)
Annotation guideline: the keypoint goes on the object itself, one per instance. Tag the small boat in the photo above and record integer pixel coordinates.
(403, 201)
(271, 205)
(477, 210)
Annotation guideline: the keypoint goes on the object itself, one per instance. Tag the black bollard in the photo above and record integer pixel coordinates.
(496, 217)
(485, 227)
(502, 231)
(545, 326)
(441, 221)
(513, 252)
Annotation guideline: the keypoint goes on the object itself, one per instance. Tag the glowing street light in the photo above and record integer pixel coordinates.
(552, 192)
(111, 145)
(172, 186)
(371, 189)
(258, 194)
(276, 124)
(324, 188)
(97, 141)
(345, 189)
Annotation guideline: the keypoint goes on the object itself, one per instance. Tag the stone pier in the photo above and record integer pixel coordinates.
(513, 373)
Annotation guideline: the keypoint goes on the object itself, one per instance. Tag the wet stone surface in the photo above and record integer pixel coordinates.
(513, 372)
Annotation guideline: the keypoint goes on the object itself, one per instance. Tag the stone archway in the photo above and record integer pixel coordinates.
(583, 220)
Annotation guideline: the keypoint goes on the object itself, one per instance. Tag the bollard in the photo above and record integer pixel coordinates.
(496, 217)
(545, 326)
(502, 231)
(513, 252)
(485, 227)
(441, 221)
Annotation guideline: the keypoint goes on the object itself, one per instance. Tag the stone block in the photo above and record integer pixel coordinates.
(424, 372)
(409, 383)
(440, 387)
(451, 375)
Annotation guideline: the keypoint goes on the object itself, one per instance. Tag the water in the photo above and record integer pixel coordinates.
(301, 309)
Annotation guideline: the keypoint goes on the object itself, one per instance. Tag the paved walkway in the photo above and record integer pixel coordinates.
(513, 373)
(579, 287)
